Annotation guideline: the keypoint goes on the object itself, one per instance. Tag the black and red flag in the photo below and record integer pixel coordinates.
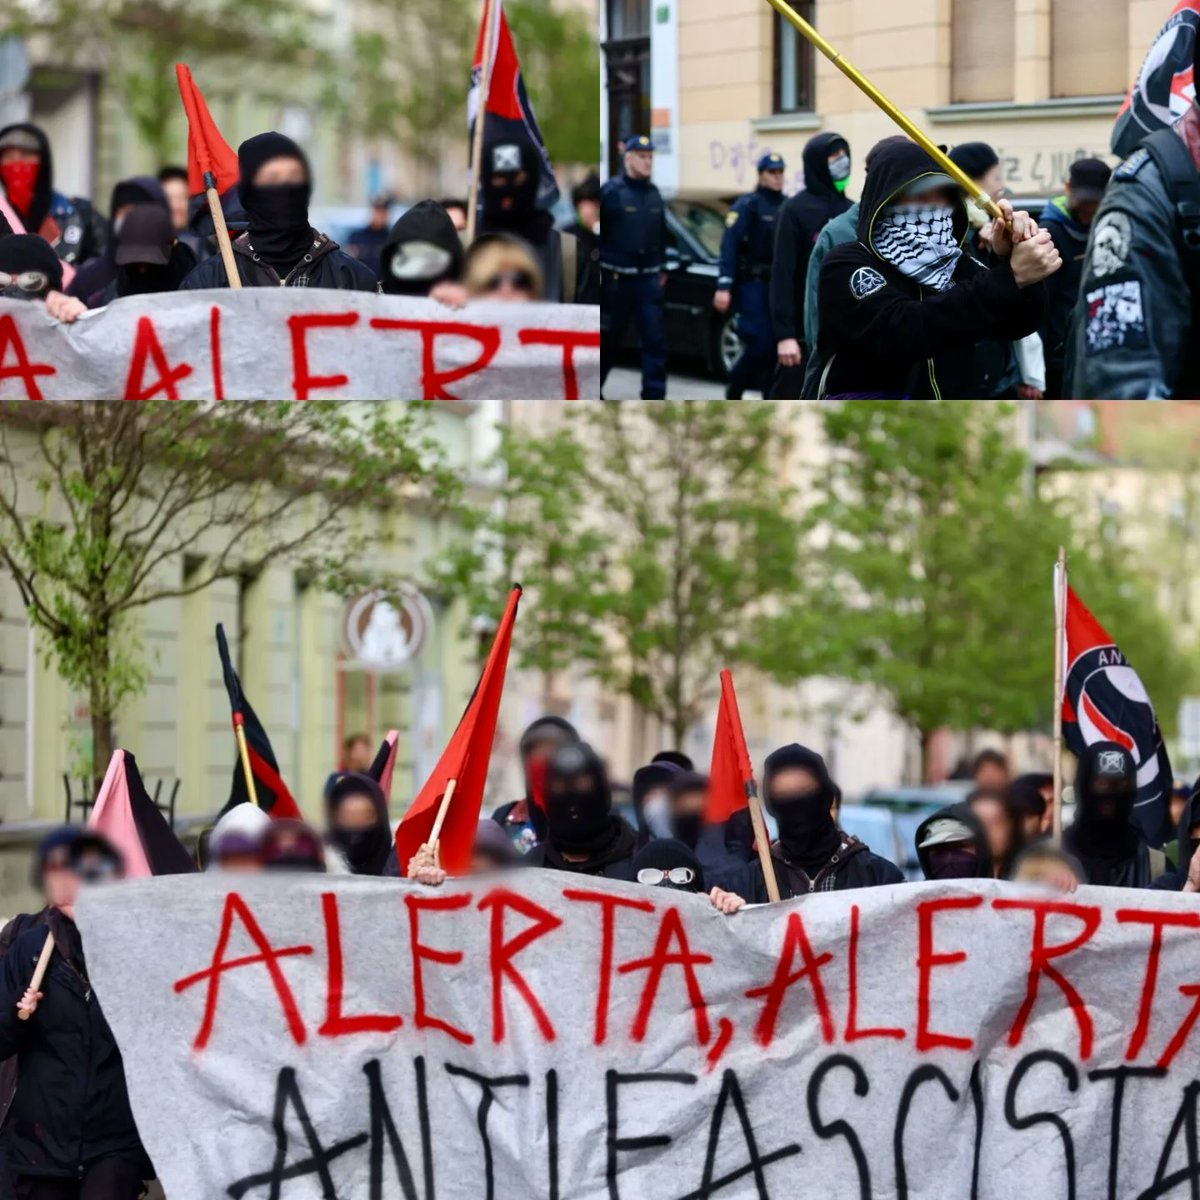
(1104, 700)
(133, 823)
(508, 113)
(272, 793)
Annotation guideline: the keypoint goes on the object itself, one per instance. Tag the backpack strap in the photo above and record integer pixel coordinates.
(1182, 181)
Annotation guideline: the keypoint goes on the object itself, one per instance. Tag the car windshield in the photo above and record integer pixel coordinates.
(705, 224)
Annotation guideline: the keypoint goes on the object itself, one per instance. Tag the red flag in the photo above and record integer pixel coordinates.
(132, 822)
(385, 762)
(208, 151)
(730, 775)
(464, 760)
(1104, 700)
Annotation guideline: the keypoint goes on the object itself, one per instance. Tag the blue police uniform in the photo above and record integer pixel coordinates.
(746, 252)
(633, 238)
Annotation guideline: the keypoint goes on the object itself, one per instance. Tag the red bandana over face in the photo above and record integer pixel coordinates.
(20, 182)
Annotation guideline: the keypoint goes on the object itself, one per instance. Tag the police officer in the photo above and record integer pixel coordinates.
(1134, 330)
(633, 236)
(746, 251)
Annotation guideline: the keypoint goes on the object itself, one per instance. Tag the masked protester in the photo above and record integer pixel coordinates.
(509, 188)
(70, 1133)
(293, 847)
(280, 248)
(826, 174)
(1185, 877)
(1002, 825)
(651, 805)
(673, 866)
(718, 847)
(29, 268)
(29, 203)
(1102, 835)
(522, 820)
(583, 834)
(1028, 805)
(902, 308)
(422, 252)
(358, 824)
(952, 844)
(148, 258)
(812, 854)
(236, 839)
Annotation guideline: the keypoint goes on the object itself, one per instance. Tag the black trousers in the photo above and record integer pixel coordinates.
(103, 1179)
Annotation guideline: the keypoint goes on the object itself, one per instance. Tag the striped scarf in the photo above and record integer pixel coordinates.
(918, 240)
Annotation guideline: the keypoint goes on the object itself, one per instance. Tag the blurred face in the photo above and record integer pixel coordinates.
(359, 756)
(1031, 825)
(992, 183)
(514, 181)
(92, 866)
(1109, 792)
(458, 215)
(991, 775)
(639, 163)
(688, 803)
(793, 782)
(509, 285)
(355, 812)
(14, 154)
(588, 212)
(1177, 806)
(483, 863)
(59, 883)
(1085, 211)
(276, 172)
(937, 197)
(772, 179)
(994, 818)
(177, 200)
(236, 863)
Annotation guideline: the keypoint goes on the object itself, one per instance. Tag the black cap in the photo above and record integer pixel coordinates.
(1088, 178)
(146, 236)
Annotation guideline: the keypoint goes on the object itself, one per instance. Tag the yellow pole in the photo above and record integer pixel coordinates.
(244, 752)
(922, 139)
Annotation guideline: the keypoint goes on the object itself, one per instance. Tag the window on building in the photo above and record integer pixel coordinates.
(628, 19)
(1089, 48)
(795, 65)
(982, 49)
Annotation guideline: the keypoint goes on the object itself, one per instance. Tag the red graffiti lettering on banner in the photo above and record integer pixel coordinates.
(303, 382)
(569, 340)
(853, 1033)
(795, 941)
(670, 931)
(433, 381)
(146, 346)
(421, 953)
(927, 960)
(1157, 921)
(23, 368)
(337, 1024)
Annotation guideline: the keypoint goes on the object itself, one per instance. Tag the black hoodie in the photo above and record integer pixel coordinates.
(1111, 849)
(401, 272)
(961, 813)
(884, 335)
(801, 218)
(1185, 847)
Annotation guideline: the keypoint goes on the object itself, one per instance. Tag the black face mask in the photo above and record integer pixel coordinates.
(953, 864)
(279, 229)
(576, 819)
(686, 826)
(143, 281)
(806, 827)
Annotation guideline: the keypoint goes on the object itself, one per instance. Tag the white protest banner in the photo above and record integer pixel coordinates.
(553, 1036)
(294, 343)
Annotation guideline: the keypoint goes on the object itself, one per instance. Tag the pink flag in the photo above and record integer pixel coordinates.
(112, 815)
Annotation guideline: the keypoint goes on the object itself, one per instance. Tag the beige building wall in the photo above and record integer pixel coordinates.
(726, 88)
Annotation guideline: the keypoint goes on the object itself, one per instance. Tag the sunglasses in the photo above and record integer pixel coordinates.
(680, 876)
(522, 281)
(26, 281)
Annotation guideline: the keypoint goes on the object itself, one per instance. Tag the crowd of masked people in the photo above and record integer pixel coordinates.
(157, 238)
(68, 1131)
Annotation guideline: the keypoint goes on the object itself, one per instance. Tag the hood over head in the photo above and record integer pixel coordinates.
(817, 176)
(508, 185)
(807, 831)
(937, 841)
(366, 850)
(29, 188)
(278, 213)
(665, 854)
(578, 799)
(653, 777)
(547, 728)
(1097, 836)
(895, 169)
(25, 253)
(422, 250)
(137, 189)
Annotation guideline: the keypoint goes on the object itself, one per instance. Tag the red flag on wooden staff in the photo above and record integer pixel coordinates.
(208, 151)
(382, 769)
(462, 767)
(730, 775)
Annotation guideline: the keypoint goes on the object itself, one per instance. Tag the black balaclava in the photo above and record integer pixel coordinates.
(22, 253)
(38, 208)
(1095, 835)
(686, 827)
(422, 250)
(365, 850)
(677, 757)
(578, 800)
(280, 232)
(664, 855)
(807, 831)
(504, 160)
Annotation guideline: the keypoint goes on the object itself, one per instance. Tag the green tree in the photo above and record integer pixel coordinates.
(657, 545)
(96, 518)
(939, 560)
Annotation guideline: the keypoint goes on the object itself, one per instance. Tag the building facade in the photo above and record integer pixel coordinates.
(719, 82)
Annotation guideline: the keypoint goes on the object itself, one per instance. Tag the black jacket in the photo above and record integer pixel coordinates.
(1185, 848)
(884, 335)
(852, 866)
(327, 265)
(613, 862)
(801, 218)
(71, 1105)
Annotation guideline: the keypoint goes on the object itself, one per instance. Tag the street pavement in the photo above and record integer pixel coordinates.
(625, 383)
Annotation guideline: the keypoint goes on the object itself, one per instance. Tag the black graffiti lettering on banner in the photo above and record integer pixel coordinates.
(287, 1092)
(1119, 1076)
(756, 1164)
(921, 1076)
(487, 1095)
(552, 1128)
(1185, 1123)
(840, 1128)
(976, 1086)
(383, 1126)
(613, 1082)
(1032, 1120)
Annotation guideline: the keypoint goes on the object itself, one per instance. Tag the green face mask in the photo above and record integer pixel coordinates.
(840, 184)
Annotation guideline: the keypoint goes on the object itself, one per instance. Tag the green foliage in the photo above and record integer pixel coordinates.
(98, 522)
(657, 544)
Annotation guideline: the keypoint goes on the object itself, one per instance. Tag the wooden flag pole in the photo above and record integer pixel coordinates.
(1060, 621)
(485, 87)
(762, 840)
(223, 241)
(39, 972)
(239, 732)
(443, 808)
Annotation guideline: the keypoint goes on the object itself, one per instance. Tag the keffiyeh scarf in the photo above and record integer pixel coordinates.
(918, 240)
